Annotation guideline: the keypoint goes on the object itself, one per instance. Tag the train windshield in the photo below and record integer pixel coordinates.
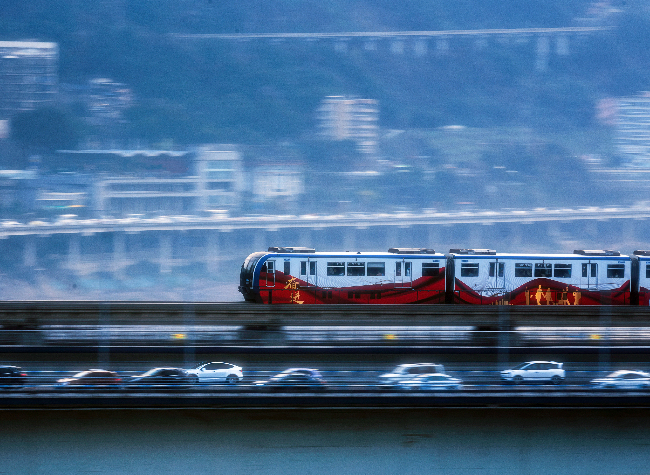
(246, 277)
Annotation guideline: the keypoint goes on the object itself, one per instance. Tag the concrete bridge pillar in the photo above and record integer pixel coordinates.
(420, 47)
(212, 252)
(259, 240)
(119, 254)
(305, 237)
(543, 48)
(74, 252)
(29, 256)
(397, 47)
(562, 45)
(165, 256)
(349, 239)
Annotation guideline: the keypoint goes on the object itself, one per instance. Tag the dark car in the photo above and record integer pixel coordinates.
(91, 379)
(162, 378)
(12, 377)
(295, 379)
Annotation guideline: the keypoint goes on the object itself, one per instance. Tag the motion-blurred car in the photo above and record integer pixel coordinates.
(535, 371)
(91, 379)
(216, 372)
(12, 377)
(431, 382)
(295, 379)
(405, 372)
(623, 379)
(161, 378)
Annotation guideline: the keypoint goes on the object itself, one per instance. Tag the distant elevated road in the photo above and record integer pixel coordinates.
(321, 221)
(394, 34)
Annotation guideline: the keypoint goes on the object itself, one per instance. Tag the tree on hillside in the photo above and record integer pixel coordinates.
(43, 130)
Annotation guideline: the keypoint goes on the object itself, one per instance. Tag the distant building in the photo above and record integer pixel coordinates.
(107, 100)
(220, 178)
(28, 76)
(277, 182)
(343, 118)
(160, 182)
(633, 130)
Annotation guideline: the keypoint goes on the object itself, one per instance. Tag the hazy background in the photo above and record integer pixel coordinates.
(466, 121)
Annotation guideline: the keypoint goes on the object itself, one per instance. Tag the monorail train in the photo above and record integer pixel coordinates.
(298, 275)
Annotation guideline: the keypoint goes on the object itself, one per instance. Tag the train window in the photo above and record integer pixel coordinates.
(615, 271)
(287, 267)
(523, 270)
(336, 268)
(398, 269)
(493, 268)
(562, 271)
(303, 267)
(356, 268)
(376, 268)
(469, 269)
(647, 271)
(430, 269)
(543, 270)
(407, 269)
(312, 268)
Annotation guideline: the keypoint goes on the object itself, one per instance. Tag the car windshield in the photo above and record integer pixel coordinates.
(82, 374)
(151, 372)
(521, 366)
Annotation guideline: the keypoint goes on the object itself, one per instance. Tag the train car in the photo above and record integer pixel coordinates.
(303, 276)
(586, 277)
(464, 276)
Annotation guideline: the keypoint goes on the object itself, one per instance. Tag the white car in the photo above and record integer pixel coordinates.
(623, 380)
(216, 372)
(405, 372)
(431, 382)
(535, 371)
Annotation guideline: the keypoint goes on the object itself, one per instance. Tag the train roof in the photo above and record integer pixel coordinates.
(423, 253)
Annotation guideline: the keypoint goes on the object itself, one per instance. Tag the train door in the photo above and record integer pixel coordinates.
(403, 273)
(269, 280)
(312, 277)
(589, 279)
(497, 279)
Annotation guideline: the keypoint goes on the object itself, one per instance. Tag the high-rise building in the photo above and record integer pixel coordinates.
(633, 130)
(28, 76)
(342, 118)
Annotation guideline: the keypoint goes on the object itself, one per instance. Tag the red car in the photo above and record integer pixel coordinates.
(91, 379)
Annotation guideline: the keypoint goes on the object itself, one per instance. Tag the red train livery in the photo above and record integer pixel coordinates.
(296, 275)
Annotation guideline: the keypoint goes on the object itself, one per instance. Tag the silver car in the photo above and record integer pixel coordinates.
(623, 379)
(431, 382)
(215, 372)
(405, 372)
(535, 371)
